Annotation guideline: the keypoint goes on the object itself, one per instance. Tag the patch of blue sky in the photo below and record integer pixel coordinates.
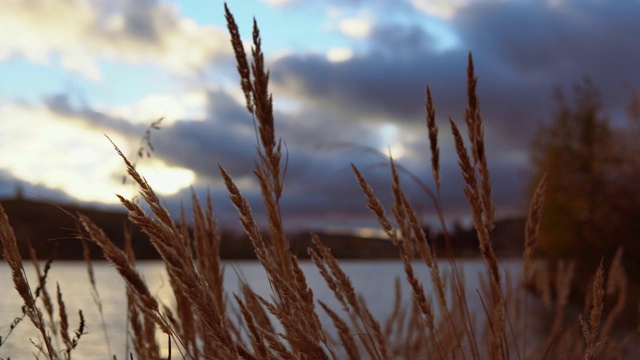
(297, 27)
(24, 81)
(126, 83)
(442, 31)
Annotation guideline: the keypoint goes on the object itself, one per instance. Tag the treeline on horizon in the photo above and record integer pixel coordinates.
(51, 230)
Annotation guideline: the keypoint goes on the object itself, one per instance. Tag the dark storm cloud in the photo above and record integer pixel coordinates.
(560, 45)
(62, 104)
(388, 81)
(392, 89)
(226, 137)
(522, 50)
(319, 186)
(137, 21)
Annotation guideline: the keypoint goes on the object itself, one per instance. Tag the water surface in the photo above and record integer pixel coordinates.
(373, 279)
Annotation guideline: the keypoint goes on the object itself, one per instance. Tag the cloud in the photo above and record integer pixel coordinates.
(355, 27)
(59, 154)
(558, 44)
(78, 34)
(279, 3)
(329, 107)
(10, 187)
(170, 107)
(440, 8)
(64, 148)
(522, 50)
(339, 54)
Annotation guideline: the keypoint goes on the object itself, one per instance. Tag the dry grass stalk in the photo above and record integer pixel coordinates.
(241, 59)
(342, 288)
(590, 329)
(257, 311)
(617, 284)
(167, 239)
(86, 254)
(207, 245)
(395, 319)
(472, 192)
(293, 295)
(12, 256)
(257, 342)
(344, 333)
(206, 242)
(142, 328)
(531, 241)
(564, 276)
(433, 138)
(64, 321)
(41, 291)
(475, 128)
(404, 213)
(126, 269)
(286, 277)
(268, 169)
(301, 342)
(531, 229)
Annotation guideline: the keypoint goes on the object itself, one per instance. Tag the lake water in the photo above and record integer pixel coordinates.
(373, 279)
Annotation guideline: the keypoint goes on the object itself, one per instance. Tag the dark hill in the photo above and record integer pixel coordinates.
(48, 225)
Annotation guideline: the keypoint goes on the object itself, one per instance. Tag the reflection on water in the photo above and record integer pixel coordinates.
(373, 279)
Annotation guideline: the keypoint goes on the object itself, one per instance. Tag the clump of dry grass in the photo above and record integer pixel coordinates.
(436, 324)
(46, 347)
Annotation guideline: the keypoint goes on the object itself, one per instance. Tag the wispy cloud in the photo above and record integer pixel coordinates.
(78, 35)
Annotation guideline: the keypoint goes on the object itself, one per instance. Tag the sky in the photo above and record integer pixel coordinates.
(347, 76)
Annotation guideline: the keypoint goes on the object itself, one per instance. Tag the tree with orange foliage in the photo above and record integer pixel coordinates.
(591, 204)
